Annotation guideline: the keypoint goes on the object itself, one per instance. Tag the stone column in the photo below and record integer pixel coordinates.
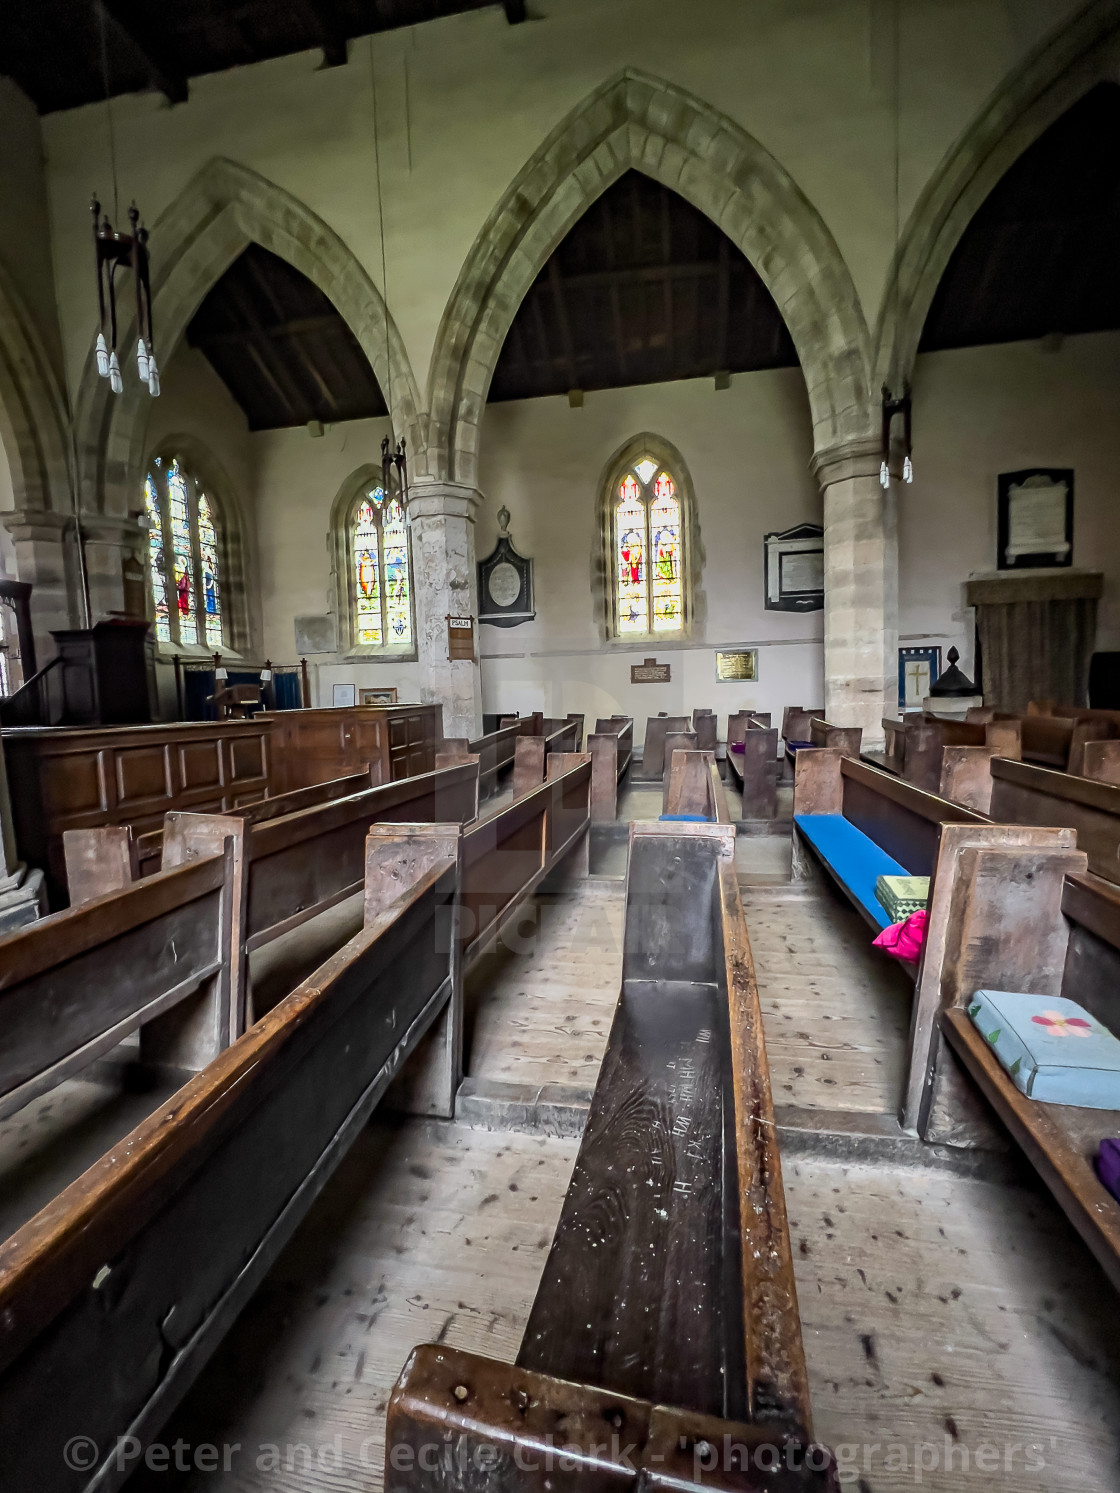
(441, 525)
(44, 546)
(115, 550)
(860, 588)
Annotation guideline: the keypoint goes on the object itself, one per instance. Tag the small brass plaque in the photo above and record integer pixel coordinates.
(737, 666)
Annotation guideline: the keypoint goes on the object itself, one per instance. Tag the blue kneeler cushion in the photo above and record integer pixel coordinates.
(682, 818)
(857, 861)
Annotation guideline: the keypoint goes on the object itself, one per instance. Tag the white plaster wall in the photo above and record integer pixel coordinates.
(812, 79)
(746, 449)
(985, 410)
(298, 478)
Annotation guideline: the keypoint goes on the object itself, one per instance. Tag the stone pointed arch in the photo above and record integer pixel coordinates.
(1060, 70)
(635, 120)
(223, 209)
(34, 425)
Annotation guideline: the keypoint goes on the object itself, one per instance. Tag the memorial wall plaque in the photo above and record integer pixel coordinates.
(649, 672)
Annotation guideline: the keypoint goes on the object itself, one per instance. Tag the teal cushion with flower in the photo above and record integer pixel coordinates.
(1052, 1049)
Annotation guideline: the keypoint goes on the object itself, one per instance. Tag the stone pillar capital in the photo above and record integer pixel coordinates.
(860, 457)
(431, 499)
(26, 524)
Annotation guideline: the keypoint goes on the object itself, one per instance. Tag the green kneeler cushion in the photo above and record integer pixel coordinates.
(1052, 1049)
(855, 858)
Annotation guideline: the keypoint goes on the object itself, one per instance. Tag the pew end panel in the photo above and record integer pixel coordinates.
(756, 767)
(1102, 761)
(937, 970)
(1059, 1140)
(658, 728)
(675, 741)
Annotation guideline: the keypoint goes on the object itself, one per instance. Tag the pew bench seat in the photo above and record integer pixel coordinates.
(853, 859)
(1060, 1141)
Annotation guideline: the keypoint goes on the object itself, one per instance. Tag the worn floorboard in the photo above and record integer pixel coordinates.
(836, 1014)
(539, 1007)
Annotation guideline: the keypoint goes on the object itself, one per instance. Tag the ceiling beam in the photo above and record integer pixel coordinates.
(561, 307)
(327, 32)
(133, 19)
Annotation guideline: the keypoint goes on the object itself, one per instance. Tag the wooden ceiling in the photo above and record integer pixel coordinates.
(282, 349)
(643, 289)
(52, 48)
(1040, 257)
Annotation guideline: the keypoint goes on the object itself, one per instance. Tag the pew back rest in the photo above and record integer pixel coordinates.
(694, 786)
(900, 818)
(73, 985)
(1028, 793)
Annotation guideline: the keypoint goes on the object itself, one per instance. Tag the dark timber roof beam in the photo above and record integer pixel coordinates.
(328, 34)
(133, 19)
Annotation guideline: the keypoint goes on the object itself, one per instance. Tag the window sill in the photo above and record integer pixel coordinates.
(366, 654)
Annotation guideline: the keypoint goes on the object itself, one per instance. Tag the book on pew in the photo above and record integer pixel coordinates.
(1052, 1049)
(899, 896)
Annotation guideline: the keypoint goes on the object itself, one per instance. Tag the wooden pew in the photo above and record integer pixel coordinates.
(1102, 761)
(156, 957)
(666, 1317)
(495, 753)
(292, 868)
(113, 1296)
(911, 833)
(532, 753)
(144, 1262)
(611, 746)
(795, 726)
(823, 734)
(706, 725)
(149, 847)
(916, 745)
(752, 755)
(1024, 793)
(694, 786)
(653, 751)
(1056, 934)
(879, 825)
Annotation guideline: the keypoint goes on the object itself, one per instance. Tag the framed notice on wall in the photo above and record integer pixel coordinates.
(1035, 518)
(795, 569)
(460, 637)
(918, 668)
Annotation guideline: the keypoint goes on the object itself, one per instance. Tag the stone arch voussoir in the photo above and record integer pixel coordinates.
(643, 122)
(220, 212)
(1064, 67)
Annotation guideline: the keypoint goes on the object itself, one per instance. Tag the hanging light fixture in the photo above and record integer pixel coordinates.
(891, 408)
(112, 250)
(894, 405)
(394, 460)
(394, 471)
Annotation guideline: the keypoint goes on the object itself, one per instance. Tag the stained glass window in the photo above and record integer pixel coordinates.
(647, 551)
(183, 557)
(380, 576)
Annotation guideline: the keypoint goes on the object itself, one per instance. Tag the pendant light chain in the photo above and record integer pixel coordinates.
(394, 461)
(112, 250)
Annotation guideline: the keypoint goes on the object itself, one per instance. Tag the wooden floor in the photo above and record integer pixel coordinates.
(539, 1007)
(836, 1014)
(938, 1311)
(944, 1317)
